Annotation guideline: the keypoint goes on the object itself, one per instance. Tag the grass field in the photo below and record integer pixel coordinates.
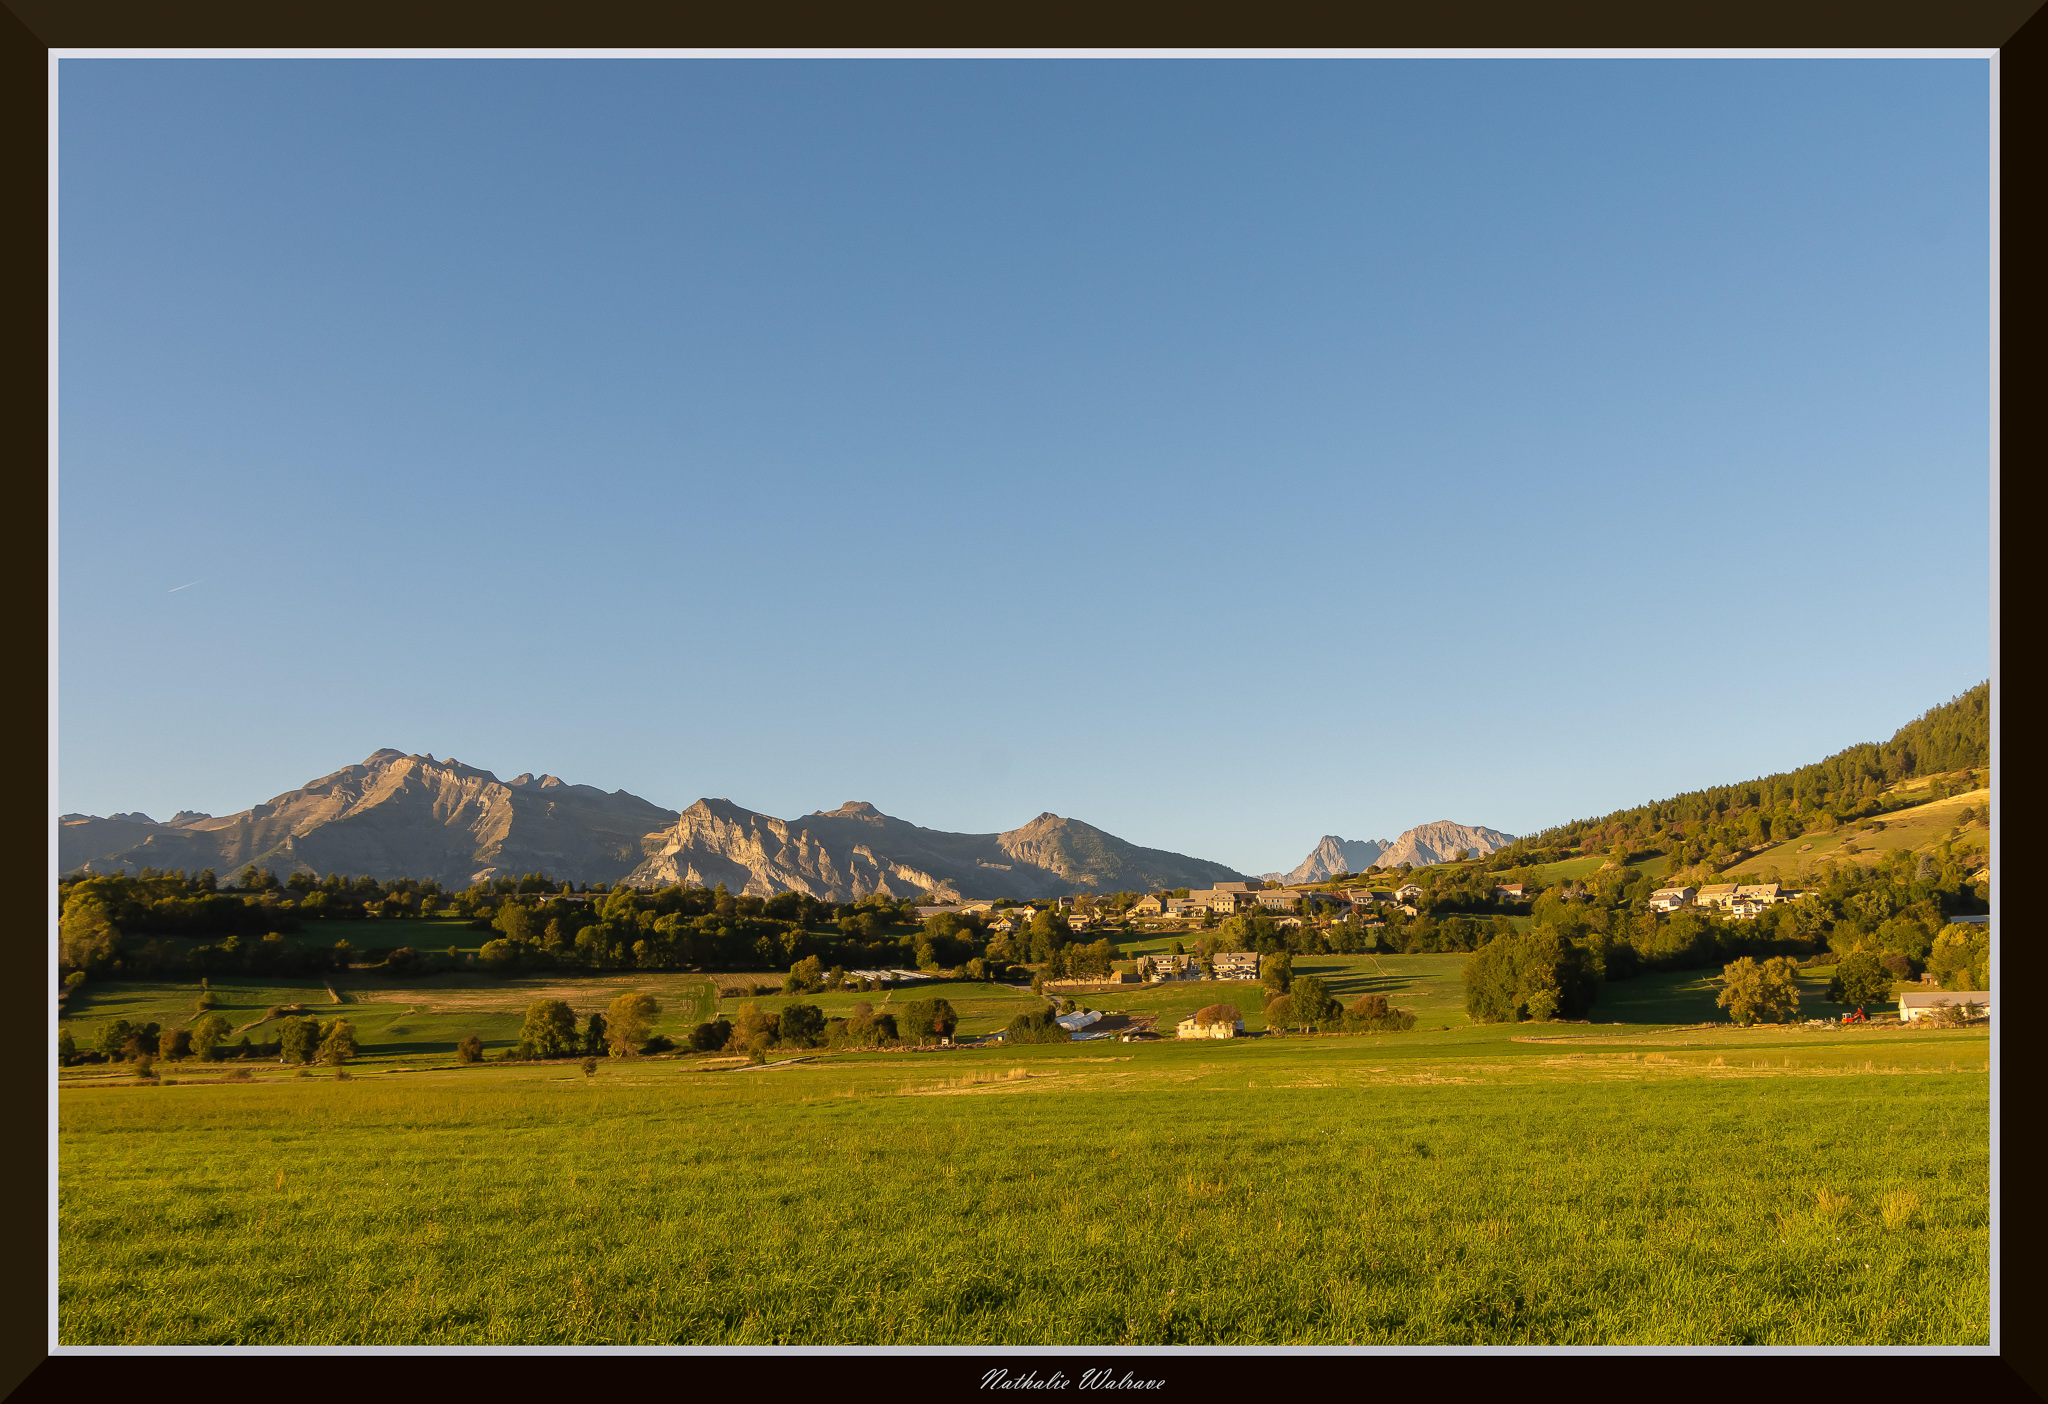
(1581, 869)
(1507, 1184)
(420, 1021)
(1920, 828)
(1634, 1180)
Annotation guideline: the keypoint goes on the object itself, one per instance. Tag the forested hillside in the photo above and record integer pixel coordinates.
(1712, 825)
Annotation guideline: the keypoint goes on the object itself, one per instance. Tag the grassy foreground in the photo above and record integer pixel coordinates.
(1525, 1184)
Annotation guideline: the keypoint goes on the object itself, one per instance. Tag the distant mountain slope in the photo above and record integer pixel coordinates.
(1953, 737)
(855, 850)
(1440, 842)
(397, 815)
(394, 815)
(1335, 855)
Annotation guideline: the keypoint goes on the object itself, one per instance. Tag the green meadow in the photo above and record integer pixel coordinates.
(1614, 1182)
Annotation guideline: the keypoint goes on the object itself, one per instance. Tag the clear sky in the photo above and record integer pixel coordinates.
(1225, 453)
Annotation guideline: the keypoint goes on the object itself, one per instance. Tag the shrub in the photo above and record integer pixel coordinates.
(864, 1029)
(340, 1044)
(1956, 1016)
(549, 1030)
(801, 1025)
(208, 1034)
(1276, 973)
(929, 1019)
(590, 1067)
(470, 1050)
(1860, 979)
(1766, 992)
(1313, 1002)
(628, 1022)
(1372, 1014)
(753, 1029)
(1036, 1026)
(298, 1038)
(805, 977)
(709, 1038)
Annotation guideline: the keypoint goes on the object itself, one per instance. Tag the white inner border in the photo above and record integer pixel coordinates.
(1027, 1353)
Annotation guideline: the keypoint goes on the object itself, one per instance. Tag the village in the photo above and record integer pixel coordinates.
(1159, 913)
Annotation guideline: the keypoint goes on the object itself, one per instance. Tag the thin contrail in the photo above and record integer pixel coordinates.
(186, 586)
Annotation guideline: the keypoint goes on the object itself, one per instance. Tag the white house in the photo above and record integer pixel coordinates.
(1670, 899)
(1916, 1005)
(1236, 965)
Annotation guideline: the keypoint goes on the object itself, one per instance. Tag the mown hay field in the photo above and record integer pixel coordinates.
(1523, 1184)
(1922, 828)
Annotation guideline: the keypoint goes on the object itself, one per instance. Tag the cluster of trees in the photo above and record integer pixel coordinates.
(1767, 991)
(1535, 974)
(810, 975)
(295, 1039)
(97, 915)
(1961, 958)
(798, 1025)
(550, 1031)
(683, 928)
(1036, 1026)
(118, 925)
(1306, 1005)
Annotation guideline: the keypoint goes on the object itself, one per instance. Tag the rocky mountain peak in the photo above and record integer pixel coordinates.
(1333, 855)
(853, 809)
(1440, 842)
(393, 815)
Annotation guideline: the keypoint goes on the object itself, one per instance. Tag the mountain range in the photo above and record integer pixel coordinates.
(394, 815)
(1420, 846)
(399, 815)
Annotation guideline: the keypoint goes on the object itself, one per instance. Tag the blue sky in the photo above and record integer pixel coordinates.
(1222, 452)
